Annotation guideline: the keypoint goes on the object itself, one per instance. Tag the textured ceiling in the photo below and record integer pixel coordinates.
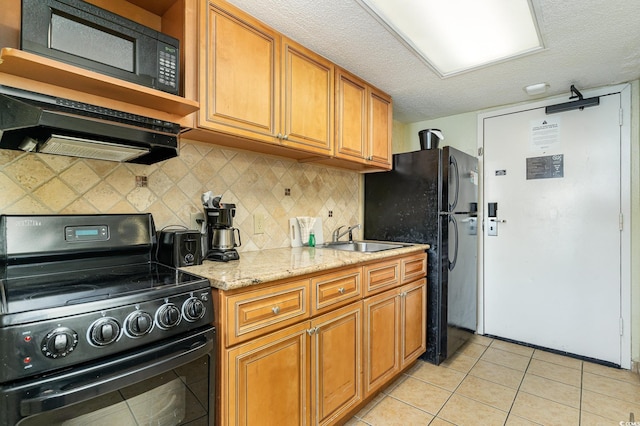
(589, 43)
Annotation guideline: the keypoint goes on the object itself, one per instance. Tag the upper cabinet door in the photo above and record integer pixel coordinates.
(307, 95)
(239, 74)
(351, 117)
(380, 128)
(364, 121)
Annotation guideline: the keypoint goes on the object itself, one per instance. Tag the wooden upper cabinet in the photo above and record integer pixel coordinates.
(239, 74)
(351, 117)
(380, 128)
(261, 91)
(255, 84)
(364, 120)
(307, 97)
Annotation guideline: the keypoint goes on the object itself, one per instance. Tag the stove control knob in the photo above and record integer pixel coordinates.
(104, 331)
(59, 342)
(193, 309)
(168, 316)
(138, 323)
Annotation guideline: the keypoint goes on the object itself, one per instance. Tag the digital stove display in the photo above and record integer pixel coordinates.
(86, 233)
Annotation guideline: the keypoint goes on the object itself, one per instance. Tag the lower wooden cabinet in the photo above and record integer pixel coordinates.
(305, 374)
(336, 354)
(322, 368)
(394, 332)
(382, 339)
(413, 321)
(267, 380)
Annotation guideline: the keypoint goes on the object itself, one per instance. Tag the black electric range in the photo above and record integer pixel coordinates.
(78, 288)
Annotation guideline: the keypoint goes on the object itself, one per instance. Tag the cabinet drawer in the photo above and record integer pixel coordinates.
(257, 312)
(381, 276)
(413, 267)
(335, 289)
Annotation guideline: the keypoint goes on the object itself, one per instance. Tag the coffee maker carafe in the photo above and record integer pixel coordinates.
(221, 235)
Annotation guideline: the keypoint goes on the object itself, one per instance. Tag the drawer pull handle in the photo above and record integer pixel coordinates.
(276, 310)
(341, 290)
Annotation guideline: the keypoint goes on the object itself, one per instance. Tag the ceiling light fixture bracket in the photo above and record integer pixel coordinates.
(580, 104)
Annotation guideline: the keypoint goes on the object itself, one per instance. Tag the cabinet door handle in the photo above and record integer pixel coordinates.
(313, 331)
(341, 290)
(285, 137)
(276, 310)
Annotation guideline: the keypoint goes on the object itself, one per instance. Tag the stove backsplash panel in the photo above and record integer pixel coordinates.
(51, 184)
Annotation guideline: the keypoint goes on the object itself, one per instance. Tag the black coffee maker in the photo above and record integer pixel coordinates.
(221, 235)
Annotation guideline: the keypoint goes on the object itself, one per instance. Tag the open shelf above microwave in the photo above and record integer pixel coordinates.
(40, 69)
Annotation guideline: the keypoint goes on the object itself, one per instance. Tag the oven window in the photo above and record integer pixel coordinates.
(177, 397)
(80, 39)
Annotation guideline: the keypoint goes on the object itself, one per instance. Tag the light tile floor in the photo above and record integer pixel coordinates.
(490, 382)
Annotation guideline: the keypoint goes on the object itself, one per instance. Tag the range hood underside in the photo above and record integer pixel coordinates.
(38, 124)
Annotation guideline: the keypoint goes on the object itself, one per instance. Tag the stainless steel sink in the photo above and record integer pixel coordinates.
(363, 246)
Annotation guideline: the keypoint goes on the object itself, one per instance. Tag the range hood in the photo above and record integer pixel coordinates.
(34, 122)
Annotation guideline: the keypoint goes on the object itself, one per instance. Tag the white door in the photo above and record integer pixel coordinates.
(552, 274)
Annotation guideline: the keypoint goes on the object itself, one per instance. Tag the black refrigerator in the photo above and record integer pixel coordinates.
(430, 197)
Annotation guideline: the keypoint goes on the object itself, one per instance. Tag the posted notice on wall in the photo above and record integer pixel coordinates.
(545, 134)
(547, 167)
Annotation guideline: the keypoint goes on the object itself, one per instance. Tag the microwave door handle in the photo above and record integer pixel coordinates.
(85, 391)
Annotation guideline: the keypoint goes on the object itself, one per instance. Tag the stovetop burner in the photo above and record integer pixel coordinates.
(73, 287)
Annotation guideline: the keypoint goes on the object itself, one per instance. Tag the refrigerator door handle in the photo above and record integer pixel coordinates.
(453, 162)
(452, 263)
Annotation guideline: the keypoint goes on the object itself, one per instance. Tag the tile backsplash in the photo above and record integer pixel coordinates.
(256, 183)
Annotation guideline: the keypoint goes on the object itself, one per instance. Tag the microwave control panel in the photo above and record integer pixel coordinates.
(168, 66)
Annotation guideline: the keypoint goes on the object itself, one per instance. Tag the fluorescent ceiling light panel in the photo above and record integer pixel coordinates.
(454, 36)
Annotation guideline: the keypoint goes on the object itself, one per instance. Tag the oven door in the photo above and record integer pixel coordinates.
(168, 383)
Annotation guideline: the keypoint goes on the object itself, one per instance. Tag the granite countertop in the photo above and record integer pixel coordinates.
(255, 267)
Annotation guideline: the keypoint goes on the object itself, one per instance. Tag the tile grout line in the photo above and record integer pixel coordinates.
(581, 392)
(463, 379)
(519, 386)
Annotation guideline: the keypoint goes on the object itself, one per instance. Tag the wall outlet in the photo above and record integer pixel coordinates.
(193, 221)
(258, 223)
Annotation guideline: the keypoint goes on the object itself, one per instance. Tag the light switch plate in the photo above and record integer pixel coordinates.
(193, 220)
(258, 223)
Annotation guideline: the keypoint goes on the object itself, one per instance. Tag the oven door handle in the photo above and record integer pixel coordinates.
(88, 389)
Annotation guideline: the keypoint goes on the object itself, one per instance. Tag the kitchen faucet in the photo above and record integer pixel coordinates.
(337, 234)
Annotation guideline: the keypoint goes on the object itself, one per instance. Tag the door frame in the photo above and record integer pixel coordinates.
(625, 91)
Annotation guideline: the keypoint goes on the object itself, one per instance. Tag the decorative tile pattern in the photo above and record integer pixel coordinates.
(45, 184)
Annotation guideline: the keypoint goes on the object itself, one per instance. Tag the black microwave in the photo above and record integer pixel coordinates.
(81, 34)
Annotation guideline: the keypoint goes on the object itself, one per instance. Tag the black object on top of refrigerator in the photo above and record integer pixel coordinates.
(430, 197)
